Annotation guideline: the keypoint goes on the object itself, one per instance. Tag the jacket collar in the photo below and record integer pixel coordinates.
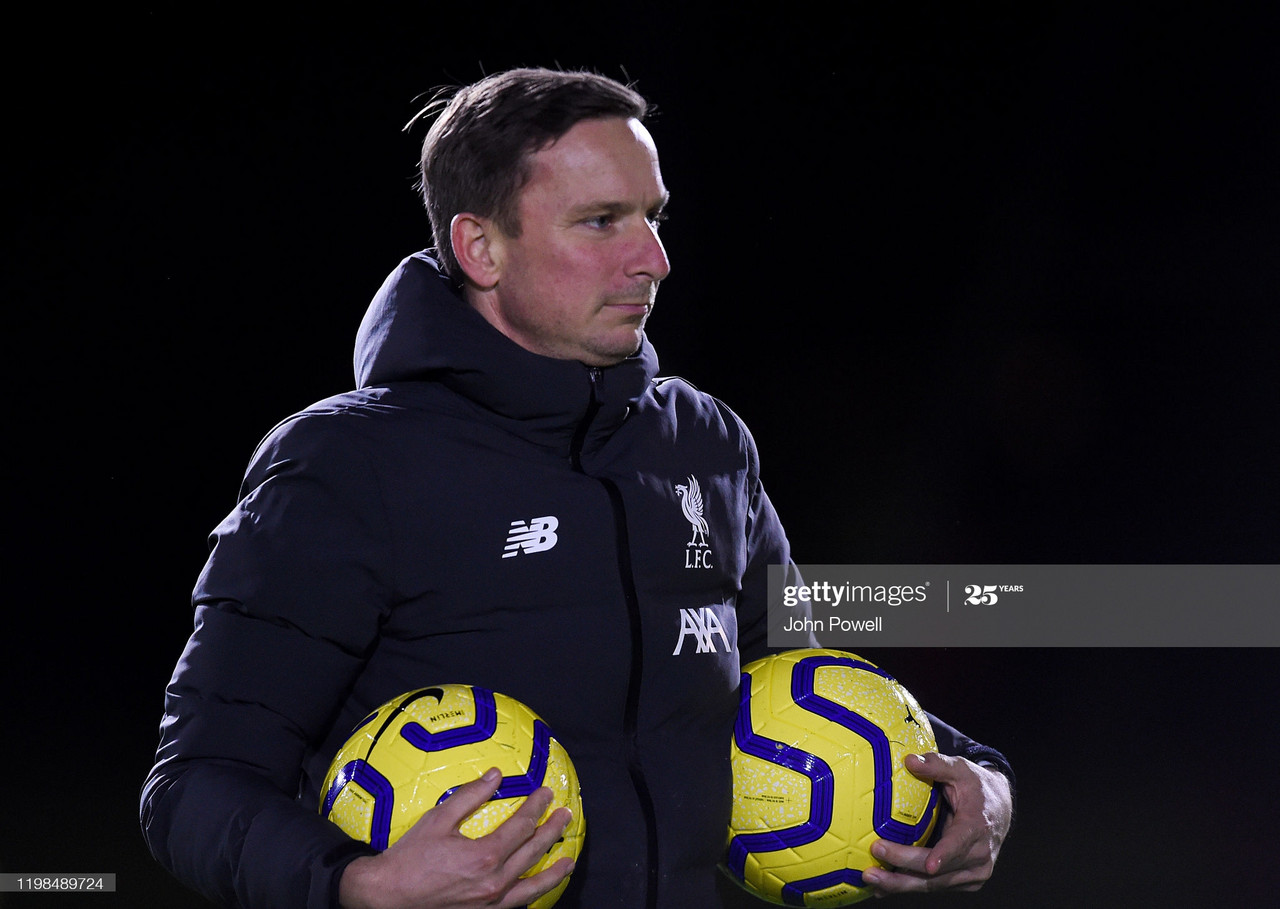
(417, 328)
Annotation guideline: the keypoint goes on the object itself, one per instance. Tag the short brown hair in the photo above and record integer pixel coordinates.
(475, 155)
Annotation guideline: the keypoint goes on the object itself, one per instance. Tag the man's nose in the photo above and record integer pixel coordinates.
(650, 257)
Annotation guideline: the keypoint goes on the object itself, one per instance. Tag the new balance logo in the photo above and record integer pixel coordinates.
(538, 535)
(702, 624)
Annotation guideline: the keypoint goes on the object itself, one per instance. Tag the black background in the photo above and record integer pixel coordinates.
(991, 284)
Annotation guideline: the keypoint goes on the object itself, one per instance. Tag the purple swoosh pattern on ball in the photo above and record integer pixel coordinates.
(820, 777)
(360, 772)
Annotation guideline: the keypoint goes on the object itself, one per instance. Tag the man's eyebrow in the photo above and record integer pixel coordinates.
(617, 208)
(602, 207)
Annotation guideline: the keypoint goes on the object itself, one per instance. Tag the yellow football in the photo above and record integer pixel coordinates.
(818, 776)
(413, 751)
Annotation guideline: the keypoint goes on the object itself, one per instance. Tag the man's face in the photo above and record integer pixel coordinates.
(579, 281)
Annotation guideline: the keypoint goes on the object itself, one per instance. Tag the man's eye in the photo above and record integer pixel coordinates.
(600, 221)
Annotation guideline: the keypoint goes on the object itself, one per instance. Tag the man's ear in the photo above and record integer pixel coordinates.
(477, 246)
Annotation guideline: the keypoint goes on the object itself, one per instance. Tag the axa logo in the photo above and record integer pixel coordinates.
(697, 553)
(703, 624)
(535, 535)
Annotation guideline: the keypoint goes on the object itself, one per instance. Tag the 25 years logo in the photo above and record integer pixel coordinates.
(988, 594)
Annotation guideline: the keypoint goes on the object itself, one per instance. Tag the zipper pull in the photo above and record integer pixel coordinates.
(580, 435)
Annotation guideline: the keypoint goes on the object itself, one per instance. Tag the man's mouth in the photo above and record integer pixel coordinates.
(640, 300)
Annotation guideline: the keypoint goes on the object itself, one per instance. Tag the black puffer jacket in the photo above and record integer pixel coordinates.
(474, 513)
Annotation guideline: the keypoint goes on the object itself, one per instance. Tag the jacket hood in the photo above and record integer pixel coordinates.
(417, 328)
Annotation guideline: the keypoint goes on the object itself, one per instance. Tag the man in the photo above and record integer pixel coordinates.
(498, 504)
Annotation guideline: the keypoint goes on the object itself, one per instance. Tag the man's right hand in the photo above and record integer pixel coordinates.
(435, 866)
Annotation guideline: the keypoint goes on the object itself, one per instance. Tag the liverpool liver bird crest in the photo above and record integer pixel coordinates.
(691, 505)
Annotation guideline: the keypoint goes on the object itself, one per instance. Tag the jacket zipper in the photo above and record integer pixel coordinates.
(630, 722)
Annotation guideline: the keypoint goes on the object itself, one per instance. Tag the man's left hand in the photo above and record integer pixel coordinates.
(965, 854)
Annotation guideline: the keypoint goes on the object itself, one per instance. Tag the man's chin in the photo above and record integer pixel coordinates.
(615, 351)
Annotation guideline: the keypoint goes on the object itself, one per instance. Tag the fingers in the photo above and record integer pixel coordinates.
(524, 834)
(915, 869)
(898, 857)
(467, 798)
(964, 856)
(885, 882)
(524, 839)
(435, 863)
(939, 768)
(528, 889)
